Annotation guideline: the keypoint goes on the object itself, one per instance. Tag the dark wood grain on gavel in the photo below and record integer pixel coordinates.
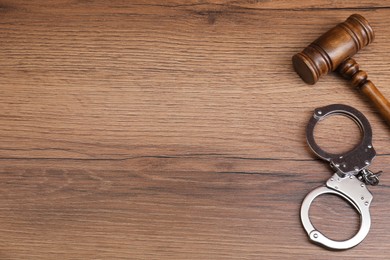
(333, 51)
(349, 69)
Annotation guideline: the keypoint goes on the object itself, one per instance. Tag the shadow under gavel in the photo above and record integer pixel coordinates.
(333, 51)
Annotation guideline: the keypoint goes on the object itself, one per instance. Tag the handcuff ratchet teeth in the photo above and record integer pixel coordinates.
(350, 177)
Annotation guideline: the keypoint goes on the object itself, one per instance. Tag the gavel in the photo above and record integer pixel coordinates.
(333, 51)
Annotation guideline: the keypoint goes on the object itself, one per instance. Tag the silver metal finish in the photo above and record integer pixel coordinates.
(353, 161)
(350, 179)
(351, 190)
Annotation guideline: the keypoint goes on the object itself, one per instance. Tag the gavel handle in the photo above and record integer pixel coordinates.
(350, 69)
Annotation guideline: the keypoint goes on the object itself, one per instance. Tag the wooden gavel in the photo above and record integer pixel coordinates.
(333, 51)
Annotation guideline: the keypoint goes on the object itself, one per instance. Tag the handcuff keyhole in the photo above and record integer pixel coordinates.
(337, 134)
(334, 217)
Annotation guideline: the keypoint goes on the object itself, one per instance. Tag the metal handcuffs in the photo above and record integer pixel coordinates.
(349, 180)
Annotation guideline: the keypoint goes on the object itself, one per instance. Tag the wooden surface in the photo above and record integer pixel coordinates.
(175, 130)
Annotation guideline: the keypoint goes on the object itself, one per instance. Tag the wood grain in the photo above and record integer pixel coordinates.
(175, 130)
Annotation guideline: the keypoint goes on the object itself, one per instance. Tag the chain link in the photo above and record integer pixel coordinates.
(369, 177)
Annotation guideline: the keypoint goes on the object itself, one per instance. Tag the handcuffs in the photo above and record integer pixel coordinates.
(349, 180)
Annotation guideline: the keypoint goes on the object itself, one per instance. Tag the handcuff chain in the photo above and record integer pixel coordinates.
(364, 175)
(369, 177)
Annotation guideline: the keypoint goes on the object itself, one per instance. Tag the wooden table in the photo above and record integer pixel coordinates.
(176, 130)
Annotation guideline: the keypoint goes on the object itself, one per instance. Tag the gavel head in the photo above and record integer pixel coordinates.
(327, 52)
